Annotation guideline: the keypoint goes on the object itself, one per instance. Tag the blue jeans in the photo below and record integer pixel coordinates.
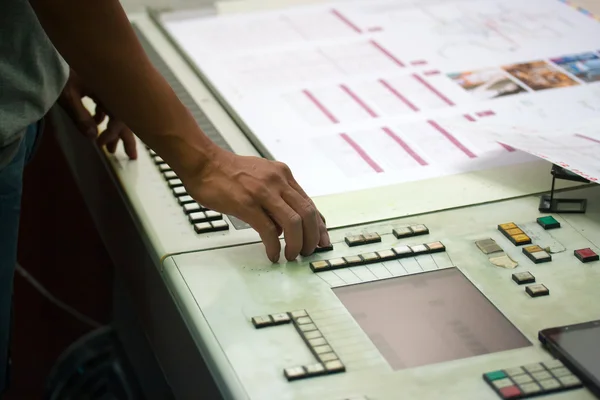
(11, 184)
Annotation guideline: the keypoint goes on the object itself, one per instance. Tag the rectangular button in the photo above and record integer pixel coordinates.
(169, 175)
(372, 237)
(197, 217)
(419, 229)
(337, 263)
(175, 182)
(353, 261)
(185, 199)
(179, 191)
(262, 321)
(402, 232)
(369, 258)
(220, 225)
(435, 247)
(418, 249)
(402, 251)
(537, 290)
(548, 222)
(203, 227)
(355, 240)
(192, 208)
(321, 265)
(213, 215)
(386, 255)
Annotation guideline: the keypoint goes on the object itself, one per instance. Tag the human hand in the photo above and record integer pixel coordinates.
(71, 101)
(264, 194)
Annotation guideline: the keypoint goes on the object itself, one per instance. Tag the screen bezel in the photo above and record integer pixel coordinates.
(546, 337)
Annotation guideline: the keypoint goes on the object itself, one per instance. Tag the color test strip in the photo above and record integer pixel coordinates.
(359, 150)
(346, 21)
(433, 90)
(320, 106)
(452, 139)
(405, 146)
(359, 101)
(387, 54)
(398, 95)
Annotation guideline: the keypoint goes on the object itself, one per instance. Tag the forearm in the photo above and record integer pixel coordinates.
(96, 39)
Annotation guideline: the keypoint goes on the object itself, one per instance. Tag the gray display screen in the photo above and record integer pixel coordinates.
(429, 318)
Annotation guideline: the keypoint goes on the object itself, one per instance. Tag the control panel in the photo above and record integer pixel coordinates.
(442, 305)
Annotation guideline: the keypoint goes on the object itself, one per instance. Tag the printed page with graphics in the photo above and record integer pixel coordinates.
(363, 94)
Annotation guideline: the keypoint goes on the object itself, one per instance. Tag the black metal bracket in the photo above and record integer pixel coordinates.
(548, 203)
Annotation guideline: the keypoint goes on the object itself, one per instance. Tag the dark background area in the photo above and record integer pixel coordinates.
(61, 249)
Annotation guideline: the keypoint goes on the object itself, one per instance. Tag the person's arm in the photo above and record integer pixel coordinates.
(96, 39)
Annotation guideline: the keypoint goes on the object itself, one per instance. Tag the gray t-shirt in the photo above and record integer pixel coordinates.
(32, 74)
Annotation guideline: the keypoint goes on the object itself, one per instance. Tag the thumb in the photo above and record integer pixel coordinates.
(80, 115)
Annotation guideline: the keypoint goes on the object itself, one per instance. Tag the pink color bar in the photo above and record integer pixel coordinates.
(507, 147)
(405, 146)
(359, 101)
(375, 29)
(487, 113)
(418, 62)
(399, 95)
(346, 21)
(587, 138)
(388, 54)
(469, 118)
(452, 139)
(359, 150)
(429, 73)
(320, 106)
(433, 89)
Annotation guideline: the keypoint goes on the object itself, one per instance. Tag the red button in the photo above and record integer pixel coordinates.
(585, 253)
(510, 392)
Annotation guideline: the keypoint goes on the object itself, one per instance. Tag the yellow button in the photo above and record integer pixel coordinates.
(515, 231)
(533, 249)
(510, 225)
(521, 238)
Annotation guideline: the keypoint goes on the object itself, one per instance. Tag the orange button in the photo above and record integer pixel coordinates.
(521, 238)
(515, 231)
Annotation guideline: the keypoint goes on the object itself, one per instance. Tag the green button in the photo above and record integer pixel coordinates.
(548, 222)
(494, 376)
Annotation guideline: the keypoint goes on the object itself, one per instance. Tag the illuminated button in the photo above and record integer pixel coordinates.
(537, 290)
(175, 182)
(220, 225)
(185, 200)
(372, 237)
(550, 384)
(386, 255)
(158, 160)
(570, 381)
(213, 215)
(507, 226)
(334, 366)
(280, 318)
(327, 357)
(418, 249)
(513, 232)
(324, 249)
(164, 167)
(560, 372)
(307, 327)
(203, 227)
(317, 342)
(192, 207)
(179, 191)
(304, 320)
(510, 392)
(262, 321)
(488, 246)
(353, 260)
(521, 379)
(586, 255)
(323, 349)
(536, 254)
(523, 278)
(495, 375)
(541, 375)
(369, 258)
(152, 152)
(548, 222)
(519, 240)
(312, 335)
(169, 174)
(337, 263)
(514, 371)
(402, 232)
(355, 240)
(298, 314)
(502, 383)
(321, 265)
(294, 373)
(531, 368)
(197, 217)
(530, 388)
(402, 251)
(315, 369)
(553, 364)
(435, 247)
(419, 230)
